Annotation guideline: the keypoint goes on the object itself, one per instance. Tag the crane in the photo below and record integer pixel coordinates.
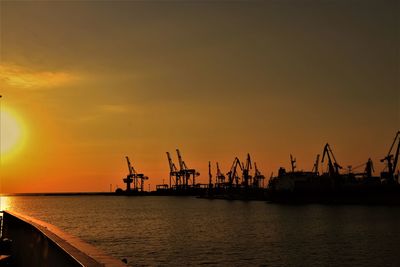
(368, 170)
(258, 180)
(232, 174)
(332, 163)
(392, 166)
(315, 167)
(173, 172)
(182, 167)
(181, 163)
(142, 179)
(134, 177)
(220, 177)
(129, 178)
(292, 162)
(246, 170)
(185, 172)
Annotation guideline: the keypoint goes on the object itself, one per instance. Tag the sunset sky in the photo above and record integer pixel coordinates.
(89, 82)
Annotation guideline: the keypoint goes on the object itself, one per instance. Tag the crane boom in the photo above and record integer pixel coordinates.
(181, 163)
(396, 156)
(394, 141)
(245, 171)
(129, 165)
(172, 167)
(248, 162)
(392, 166)
(333, 165)
(315, 167)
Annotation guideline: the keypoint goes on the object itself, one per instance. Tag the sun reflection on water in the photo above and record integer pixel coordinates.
(4, 203)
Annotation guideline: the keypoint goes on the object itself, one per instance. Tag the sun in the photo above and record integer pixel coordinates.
(12, 133)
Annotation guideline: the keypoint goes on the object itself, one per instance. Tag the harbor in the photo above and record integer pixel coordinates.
(28, 241)
(192, 133)
(327, 183)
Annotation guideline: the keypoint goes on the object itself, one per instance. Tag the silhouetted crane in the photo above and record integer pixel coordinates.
(173, 172)
(219, 178)
(391, 166)
(232, 174)
(185, 172)
(292, 162)
(332, 163)
(142, 179)
(315, 167)
(129, 178)
(258, 180)
(134, 177)
(246, 171)
(368, 170)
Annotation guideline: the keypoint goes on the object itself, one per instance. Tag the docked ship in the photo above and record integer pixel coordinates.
(334, 186)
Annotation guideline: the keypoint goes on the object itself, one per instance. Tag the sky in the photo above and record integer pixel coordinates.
(90, 82)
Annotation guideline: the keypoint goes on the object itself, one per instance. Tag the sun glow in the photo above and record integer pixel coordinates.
(4, 203)
(12, 134)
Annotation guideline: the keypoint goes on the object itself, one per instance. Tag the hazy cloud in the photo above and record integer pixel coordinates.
(21, 77)
(114, 108)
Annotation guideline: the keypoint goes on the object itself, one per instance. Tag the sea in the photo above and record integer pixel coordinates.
(188, 231)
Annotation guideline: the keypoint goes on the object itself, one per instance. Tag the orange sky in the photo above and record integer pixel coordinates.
(92, 82)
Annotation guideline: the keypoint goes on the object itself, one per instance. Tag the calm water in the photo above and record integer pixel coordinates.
(179, 231)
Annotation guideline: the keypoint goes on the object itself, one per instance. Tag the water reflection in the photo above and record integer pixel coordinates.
(188, 231)
(4, 203)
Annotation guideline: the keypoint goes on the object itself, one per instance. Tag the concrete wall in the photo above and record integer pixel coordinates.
(35, 243)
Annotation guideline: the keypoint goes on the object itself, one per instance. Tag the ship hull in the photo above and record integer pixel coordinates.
(345, 194)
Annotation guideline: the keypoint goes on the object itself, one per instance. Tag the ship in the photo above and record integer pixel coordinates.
(337, 187)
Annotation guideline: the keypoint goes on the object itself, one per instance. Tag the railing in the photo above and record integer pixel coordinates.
(36, 243)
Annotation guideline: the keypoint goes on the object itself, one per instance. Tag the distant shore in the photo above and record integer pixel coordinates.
(62, 194)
